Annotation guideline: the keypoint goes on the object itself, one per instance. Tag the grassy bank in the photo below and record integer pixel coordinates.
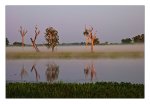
(68, 90)
(35, 55)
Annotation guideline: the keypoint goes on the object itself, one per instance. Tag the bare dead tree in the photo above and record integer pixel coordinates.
(87, 39)
(37, 32)
(23, 33)
(89, 36)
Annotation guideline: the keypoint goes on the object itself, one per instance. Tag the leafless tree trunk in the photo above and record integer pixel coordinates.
(90, 36)
(23, 33)
(37, 32)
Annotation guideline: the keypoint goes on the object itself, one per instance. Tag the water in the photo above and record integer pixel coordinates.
(75, 70)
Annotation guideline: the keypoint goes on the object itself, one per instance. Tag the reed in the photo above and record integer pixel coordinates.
(74, 90)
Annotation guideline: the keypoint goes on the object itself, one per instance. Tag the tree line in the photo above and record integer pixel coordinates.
(52, 38)
(135, 39)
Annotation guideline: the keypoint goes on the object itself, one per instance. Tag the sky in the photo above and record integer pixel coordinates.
(111, 22)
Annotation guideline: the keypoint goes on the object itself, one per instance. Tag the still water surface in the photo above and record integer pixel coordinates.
(75, 70)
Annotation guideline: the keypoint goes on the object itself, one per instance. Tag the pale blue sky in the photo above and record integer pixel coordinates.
(112, 23)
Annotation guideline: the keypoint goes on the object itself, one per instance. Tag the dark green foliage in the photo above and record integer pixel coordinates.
(139, 38)
(96, 41)
(7, 42)
(51, 37)
(136, 39)
(126, 41)
(74, 90)
(18, 44)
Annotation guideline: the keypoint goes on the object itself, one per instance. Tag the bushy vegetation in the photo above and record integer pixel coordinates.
(52, 38)
(135, 39)
(139, 38)
(18, 44)
(7, 42)
(74, 90)
(126, 41)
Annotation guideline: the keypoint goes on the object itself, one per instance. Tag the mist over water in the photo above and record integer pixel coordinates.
(97, 48)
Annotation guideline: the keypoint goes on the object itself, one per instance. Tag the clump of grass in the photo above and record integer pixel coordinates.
(34, 55)
(74, 90)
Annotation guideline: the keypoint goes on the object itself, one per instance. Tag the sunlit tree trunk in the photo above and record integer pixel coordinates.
(87, 41)
(22, 41)
(89, 36)
(92, 45)
(34, 45)
(37, 32)
(23, 33)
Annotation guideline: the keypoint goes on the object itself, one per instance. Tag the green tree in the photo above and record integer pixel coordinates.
(96, 41)
(139, 38)
(126, 41)
(142, 37)
(7, 42)
(51, 37)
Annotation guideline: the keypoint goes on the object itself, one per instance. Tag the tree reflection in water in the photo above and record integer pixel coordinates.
(52, 72)
(90, 69)
(93, 72)
(23, 72)
(86, 71)
(36, 73)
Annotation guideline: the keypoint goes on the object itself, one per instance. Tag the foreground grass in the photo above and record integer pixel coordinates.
(34, 55)
(74, 90)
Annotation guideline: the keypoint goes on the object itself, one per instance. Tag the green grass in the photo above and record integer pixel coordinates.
(34, 55)
(74, 90)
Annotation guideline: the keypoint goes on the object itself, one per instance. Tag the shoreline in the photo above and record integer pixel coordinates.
(74, 48)
(74, 55)
(63, 52)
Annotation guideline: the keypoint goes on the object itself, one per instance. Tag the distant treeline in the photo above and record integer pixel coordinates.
(20, 44)
(62, 44)
(136, 39)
